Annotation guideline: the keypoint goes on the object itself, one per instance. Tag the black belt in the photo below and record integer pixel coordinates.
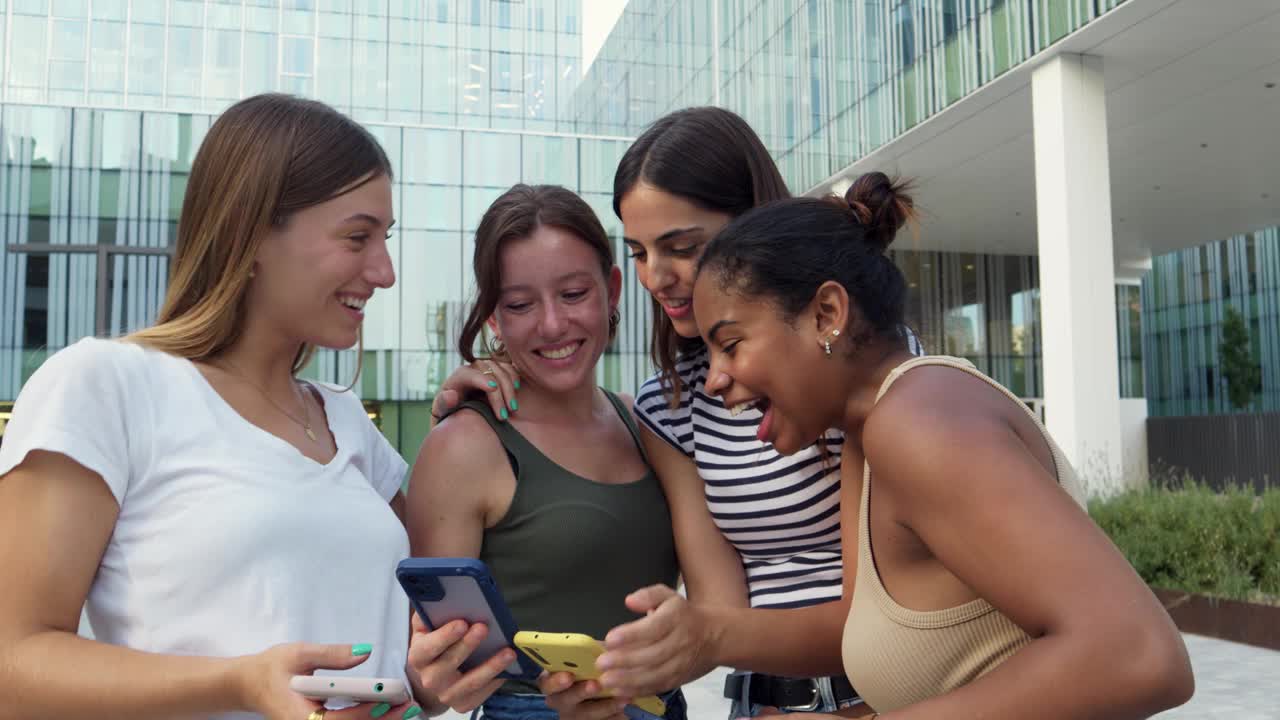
(787, 693)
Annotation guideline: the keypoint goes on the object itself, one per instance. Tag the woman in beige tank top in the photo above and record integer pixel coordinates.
(982, 588)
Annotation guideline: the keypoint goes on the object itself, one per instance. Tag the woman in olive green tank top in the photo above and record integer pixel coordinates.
(981, 588)
(554, 495)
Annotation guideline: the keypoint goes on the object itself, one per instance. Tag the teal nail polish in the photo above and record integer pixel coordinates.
(493, 384)
(379, 710)
(514, 405)
(412, 712)
(503, 414)
(516, 383)
(361, 649)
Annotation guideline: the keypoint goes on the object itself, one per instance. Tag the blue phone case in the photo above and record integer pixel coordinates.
(442, 590)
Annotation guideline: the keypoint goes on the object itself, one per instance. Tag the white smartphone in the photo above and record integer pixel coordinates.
(323, 688)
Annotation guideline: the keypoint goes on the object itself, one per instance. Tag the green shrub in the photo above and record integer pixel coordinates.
(1185, 536)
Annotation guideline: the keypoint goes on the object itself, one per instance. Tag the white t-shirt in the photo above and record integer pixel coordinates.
(229, 540)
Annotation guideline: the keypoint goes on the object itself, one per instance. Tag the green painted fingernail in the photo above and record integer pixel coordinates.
(493, 384)
(379, 710)
(412, 712)
(516, 383)
(503, 414)
(361, 649)
(514, 405)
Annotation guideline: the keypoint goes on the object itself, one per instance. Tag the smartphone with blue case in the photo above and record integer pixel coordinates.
(442, 590)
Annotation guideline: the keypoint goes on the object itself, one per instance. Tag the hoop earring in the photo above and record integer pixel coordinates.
(615, 318)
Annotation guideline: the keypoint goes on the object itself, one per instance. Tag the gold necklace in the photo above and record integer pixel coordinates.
(306, 425)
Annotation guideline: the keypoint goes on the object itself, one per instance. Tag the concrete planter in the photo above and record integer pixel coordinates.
(1242, 622)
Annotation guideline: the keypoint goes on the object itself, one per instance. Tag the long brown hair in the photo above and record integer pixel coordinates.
(712, 158)
(264, 159)
(516, 214)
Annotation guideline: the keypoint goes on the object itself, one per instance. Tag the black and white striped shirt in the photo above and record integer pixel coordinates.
(782, 513)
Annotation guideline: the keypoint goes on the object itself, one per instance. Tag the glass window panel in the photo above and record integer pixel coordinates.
(68, 40)
(111, 9)
(27, 63)
(369, 90)
(31, 7)
(295, 55)
(405, 77)
(333, 71)
(439, 93)
(475, 201)
(65, 75)
(224, 17)
(433, 302)
(146, 60)
(259, 63)
(184, 61)
(432, 156)
(148, 11)
(432, 207)
(298, 21)
(261, 19)
(222, 64)
(70, 8)
(106, 56)
(186, 13)
(551, 160)
(489, 159)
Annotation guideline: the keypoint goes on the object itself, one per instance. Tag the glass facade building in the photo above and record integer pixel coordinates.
(105, 103)
(825, 82)
(1184, 299)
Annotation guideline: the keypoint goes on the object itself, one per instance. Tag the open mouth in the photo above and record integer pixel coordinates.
(761, 404)
(561, 352)
(677, 308)
(353, 302)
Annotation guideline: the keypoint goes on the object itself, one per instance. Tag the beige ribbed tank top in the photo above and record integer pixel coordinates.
(897, 657)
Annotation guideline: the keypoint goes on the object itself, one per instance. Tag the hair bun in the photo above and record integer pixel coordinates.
(882, 205)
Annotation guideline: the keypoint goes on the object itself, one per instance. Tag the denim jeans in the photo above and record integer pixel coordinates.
(534, 707)
(742, 707)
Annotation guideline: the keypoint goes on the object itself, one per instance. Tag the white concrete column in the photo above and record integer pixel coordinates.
(1077, 267)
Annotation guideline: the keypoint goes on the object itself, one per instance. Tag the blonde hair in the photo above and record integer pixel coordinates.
(264, 159)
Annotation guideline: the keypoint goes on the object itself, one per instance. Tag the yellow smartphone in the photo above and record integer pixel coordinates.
(576, 654)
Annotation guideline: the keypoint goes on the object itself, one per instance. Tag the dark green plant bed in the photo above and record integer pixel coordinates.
(1213, 558)
(1185, 536)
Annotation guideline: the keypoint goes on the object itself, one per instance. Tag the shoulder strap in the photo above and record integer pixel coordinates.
(517, 447)
(627, 420)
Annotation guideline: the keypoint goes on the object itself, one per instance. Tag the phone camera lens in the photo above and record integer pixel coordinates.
(377, 687)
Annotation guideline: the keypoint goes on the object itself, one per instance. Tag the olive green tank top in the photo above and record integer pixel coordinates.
(569, 550)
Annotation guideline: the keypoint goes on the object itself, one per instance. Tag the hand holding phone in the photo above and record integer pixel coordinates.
(444, 590)
(324, 688)
(575, 654)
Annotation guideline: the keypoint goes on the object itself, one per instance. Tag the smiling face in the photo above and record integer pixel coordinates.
(314, 274)
(553, 308)
(760, 360)
(665, 235)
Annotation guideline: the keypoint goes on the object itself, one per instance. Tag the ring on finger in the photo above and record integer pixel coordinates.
(317, 714)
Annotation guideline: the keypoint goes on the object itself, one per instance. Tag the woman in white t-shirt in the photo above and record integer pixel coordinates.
(227, 525)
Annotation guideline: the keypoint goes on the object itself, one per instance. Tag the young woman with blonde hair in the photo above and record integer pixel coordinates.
(210, 508)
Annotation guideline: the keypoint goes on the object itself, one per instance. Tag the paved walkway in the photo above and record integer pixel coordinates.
(1233, 681)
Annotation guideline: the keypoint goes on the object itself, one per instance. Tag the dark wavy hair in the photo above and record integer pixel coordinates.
(514, 215)
(786, 250)
(712, 158)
